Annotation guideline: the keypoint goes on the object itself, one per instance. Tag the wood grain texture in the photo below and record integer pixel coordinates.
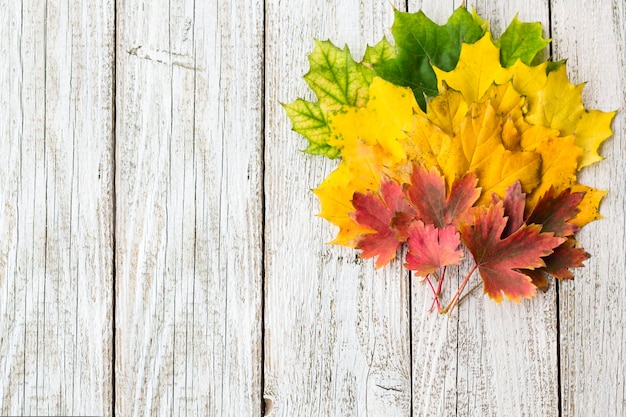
(211, 191)
(56, 197)
(336, 330)
(592, 35)
(487, 359)
(189, 208)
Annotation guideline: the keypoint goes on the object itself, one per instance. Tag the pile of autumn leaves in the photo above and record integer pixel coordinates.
(452, 138)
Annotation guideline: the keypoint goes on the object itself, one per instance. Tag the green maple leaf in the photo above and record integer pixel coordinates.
(555, 65)
(521, 41)
(337, 80)
(382, 51)
(310, 121)
(422, 43)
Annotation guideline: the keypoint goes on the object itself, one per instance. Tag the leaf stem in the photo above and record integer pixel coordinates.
(443, 275)
(474, 288)
(437, 293)
(435, 296)
(455, 298)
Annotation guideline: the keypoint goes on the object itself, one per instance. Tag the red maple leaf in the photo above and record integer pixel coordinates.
(375, 211)
(431, 205)
(431, 248)
(553, 212)
(499, 258)
(566, 256)
(513, 204)
(538, 278)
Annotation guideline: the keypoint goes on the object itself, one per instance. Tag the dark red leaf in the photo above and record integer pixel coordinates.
(538, 278)
(499, 260)
(513, 203)
(553, 212)
(564, 257)
(427, 194)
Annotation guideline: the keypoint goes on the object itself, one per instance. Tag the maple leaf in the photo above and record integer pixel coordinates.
(337, 80)
(427, 195)
(558, 264)
(513, 205)
(521, 41)
(375, 212)
(382, 51)
(309, 120)
(478, 147)
(447, 110)
(589, 207)
(385, 120)
(478, 68)
(359, 171)
(421, 43)
(431, 248)
(558, 105)
(593, 128)
(565, 256)
(559, 159)
(554, 212)
(499, 259)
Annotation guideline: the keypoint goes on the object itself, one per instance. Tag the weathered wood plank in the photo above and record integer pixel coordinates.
(189, 208)
(337, 332)
(592, 36)
(56, 194)
(488, 359)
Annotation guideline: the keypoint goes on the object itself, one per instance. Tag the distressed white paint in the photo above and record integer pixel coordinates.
(198, 92)
(56, 207)
(592, 35)
(189, 208)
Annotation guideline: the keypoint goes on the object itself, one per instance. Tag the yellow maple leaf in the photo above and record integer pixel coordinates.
(478, 68)
(589, 207)
(481, 144)
(385, 120)
(360, 171)
(447, 109)
(336, 191)
(593, 128)
(528, 80)
(505, 100)
(559, 103)
(558, 168)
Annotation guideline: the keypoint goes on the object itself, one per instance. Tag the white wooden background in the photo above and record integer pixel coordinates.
(158, 250)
